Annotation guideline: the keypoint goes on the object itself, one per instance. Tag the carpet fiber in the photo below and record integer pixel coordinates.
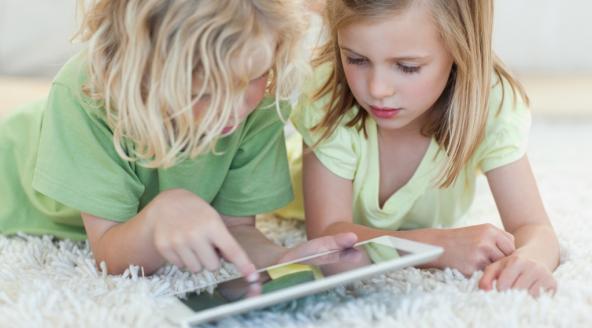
(54, 283)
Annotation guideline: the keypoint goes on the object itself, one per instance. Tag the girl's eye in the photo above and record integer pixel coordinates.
(356, 61)
(408, 69)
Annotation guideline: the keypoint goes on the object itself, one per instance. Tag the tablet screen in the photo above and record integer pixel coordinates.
(294, 274)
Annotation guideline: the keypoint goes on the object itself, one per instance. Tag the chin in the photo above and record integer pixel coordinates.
(392, 125)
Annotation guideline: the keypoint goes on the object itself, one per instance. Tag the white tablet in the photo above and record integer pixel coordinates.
(309, 275)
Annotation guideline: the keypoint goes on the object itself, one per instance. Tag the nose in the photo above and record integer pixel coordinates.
(379, 85)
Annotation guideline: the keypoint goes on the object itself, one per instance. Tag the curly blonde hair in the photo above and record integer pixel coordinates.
(459, 117)
(145, 55)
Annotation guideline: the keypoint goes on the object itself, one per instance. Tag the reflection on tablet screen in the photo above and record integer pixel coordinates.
(294, 274)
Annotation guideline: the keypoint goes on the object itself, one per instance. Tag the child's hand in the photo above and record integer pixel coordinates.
(472, 248)
(319, 245)
(518, 272)
(188, 232)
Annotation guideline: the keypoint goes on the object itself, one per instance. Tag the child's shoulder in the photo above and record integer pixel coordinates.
(343, 141)
(508, 127)
(74, 73)
(69, 87)
(507, 105)
(312, 108)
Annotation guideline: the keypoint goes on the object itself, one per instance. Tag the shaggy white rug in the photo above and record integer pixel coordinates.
(49, 283)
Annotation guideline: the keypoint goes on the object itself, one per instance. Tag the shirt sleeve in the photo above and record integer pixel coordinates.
(258, 180)
(507, 131)
(77, 164)
(337, 152)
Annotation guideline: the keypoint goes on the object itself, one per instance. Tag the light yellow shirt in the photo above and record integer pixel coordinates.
(419, 203)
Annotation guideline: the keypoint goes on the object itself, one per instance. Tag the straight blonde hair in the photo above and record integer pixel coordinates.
(145, 55)
(459, 117)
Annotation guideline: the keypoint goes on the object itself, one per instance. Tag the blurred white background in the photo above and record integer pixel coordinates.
(545, 36)
(35, 36)
(548, 43)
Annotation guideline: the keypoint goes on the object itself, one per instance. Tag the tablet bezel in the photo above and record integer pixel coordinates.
(420, 253)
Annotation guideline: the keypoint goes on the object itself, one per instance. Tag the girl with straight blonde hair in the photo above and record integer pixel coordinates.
(408, 106)
(163, 139)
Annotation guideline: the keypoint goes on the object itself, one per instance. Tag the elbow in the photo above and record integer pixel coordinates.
(104, 264)
(113, 267)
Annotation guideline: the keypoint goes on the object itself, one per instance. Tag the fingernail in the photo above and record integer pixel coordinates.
(353, 238)
(253, 277)
(253, 290)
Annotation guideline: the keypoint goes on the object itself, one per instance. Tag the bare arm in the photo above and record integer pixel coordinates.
(265, 252)
(328, 207)
(537, 250)
(177, 226)
(122, 244)
(523, 214)
(183, 229)
(261, 250)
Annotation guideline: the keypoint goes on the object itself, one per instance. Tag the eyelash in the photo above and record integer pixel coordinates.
(356, 61)
(408, 69)
(404, 68)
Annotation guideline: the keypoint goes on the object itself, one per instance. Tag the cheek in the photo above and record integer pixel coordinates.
(426, 90)
(355, 79)
(198, 109)
(254, 95)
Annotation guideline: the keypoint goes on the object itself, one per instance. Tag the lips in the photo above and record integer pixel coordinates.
(384, 112)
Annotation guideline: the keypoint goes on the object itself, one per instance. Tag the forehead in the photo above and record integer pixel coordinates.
(257, 57)
(254, 59)
(404, 32)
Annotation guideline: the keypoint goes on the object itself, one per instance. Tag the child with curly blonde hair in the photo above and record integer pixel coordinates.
(163, 139)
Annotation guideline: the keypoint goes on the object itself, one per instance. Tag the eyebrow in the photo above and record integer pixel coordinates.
(393, 59)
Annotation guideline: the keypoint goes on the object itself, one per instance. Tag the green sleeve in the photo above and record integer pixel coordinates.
(508, 126)
(77, 164)
(258, 180)
(338, 152)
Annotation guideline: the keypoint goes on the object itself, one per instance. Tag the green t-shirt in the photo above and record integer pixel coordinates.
(349, 154)
(58, 159)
